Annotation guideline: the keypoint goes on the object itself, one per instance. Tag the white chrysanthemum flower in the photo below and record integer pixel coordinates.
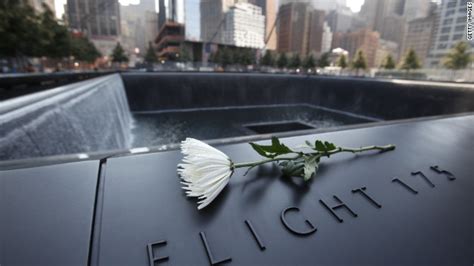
(205, 171)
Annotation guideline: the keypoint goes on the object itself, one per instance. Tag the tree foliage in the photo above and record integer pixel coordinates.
(459, 57)
(388, 62)
(342, 61)
(150, 56)
(410, 61)
(359, 61)
(185, 54)
(24, 33)
(295, 61)
(309, 62)
(118, 54)
(282, 61)
(19, 30)
(268, 59)
(324, 60)
(83, 50)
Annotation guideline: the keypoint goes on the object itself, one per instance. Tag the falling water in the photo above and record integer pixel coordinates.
(88, 116)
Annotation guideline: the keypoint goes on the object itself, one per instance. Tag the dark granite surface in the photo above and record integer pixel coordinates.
(142, 203)
(46, 214)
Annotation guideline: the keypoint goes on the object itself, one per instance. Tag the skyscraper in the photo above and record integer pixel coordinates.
(245, 26)
(325, 5)
(416, 9)
(96, 17)
(375, 12)
(316, 31)
(99, 19)
(450, 30)
(419, 36)
(326, 39)
(269, 10)
(213, 19)
(293, 27)
(343, 20)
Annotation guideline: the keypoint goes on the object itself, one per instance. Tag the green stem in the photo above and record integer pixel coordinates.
(318, 153)
(253, 164)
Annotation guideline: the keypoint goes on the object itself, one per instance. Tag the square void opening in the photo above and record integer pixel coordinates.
(264, 128)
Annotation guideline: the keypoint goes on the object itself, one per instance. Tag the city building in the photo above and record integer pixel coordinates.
(139, 25)
(213, 19)
(244, 26)
(344, 20)
(417, 9)
(99, 19)
(384, 49)
(269, 10)
(325, 5)
(419, 36)
(316, 31)
(326, 39)
(393, 29)
(365, 40)
(450, 28)
(170, 10)
(303, 29)
(169, 40)
(375, 12)
(293, 27)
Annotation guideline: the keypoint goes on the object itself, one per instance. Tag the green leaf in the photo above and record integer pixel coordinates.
(271, 151)
(329, 146)
(320, 146)
(259, 149)
(310, 167)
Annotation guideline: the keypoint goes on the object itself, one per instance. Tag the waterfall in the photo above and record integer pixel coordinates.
(84, 117)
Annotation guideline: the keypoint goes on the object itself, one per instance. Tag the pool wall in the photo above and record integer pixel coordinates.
(82, 117)
(384, 99)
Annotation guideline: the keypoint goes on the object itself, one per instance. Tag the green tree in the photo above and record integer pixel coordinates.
(295, 61)
(226, 57)
(150, 56)
(54, 39)
(282, 61)
(323, 60)
(185, 54)
(309, 62)
(118, 54)
(83, 49)
(388, 62)
(459, 57)
(410, 61)
(19, 30)
(359, 61)
(342, 61)
(267, 59)
(251, 57)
